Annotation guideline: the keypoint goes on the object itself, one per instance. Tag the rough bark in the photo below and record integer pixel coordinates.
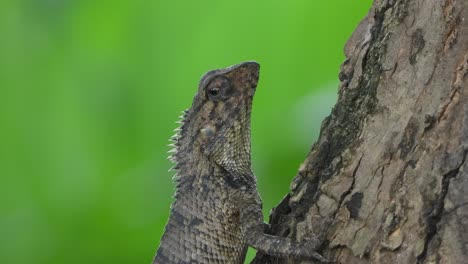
(387, 180)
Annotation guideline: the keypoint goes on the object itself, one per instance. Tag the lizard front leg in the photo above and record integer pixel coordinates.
(251, 219)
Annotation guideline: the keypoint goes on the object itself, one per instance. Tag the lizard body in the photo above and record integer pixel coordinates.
(217, 212)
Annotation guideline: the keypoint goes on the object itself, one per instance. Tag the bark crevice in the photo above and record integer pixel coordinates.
(436, 212)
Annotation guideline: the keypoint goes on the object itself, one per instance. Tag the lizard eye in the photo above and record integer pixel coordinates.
(213, 92)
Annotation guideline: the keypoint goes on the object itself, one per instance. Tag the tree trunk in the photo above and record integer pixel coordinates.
(387, 180)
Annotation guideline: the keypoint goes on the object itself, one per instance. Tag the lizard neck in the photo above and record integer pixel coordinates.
(230, 150)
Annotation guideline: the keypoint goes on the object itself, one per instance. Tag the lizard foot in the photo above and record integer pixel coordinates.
(310, 248)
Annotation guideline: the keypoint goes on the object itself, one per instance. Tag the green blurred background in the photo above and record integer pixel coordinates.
(90, 90)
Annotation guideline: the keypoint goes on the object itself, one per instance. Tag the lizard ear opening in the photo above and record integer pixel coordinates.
(208, 131)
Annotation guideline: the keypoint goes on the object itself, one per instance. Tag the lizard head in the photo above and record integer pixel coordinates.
(217, 126)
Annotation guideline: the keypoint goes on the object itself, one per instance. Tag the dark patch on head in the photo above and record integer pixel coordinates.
(407, 142)
(214, 111)
(354, 204)
(417, 44)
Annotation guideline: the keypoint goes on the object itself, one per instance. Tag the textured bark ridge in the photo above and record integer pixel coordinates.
(387, 180)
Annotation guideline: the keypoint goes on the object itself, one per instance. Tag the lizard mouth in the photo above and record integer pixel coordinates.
(252, 74)
(254, 70)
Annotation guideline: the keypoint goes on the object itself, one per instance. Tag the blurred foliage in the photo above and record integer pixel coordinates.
(90, 91)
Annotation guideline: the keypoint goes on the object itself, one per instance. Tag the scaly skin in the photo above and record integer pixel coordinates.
(217, 212)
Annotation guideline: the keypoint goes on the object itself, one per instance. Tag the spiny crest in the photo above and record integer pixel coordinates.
(175, 139)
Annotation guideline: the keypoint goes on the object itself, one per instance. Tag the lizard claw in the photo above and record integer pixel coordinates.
(311, 245)
(319, 257)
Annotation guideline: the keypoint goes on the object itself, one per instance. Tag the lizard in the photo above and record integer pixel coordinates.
(217, 211)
